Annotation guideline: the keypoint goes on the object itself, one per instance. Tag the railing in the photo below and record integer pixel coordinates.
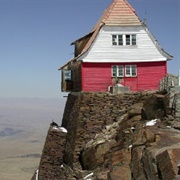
(170, 84)
(167, 82)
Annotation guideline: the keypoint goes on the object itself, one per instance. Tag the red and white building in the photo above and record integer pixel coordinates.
(120, 49)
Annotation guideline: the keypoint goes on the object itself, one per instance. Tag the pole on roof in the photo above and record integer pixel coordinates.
(179, 77)
(116, 78)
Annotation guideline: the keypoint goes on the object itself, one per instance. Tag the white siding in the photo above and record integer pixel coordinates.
(103, 51)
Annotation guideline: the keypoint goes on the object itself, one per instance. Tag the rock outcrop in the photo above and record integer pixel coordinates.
(113, 137)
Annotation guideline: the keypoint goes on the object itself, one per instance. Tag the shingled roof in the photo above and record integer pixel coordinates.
(119, 13)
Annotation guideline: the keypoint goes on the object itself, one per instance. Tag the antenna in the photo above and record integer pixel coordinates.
(145, 17)
(179, 78)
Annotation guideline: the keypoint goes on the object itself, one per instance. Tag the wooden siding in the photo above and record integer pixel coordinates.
(66, 86)
(150, 74)
(103, 51)
(131, 82)
(77, 80)
(80, 44)
(96, 77)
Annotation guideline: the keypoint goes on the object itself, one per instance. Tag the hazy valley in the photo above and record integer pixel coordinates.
(23, 126)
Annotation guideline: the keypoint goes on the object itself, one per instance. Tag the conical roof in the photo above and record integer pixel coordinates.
(119, 13)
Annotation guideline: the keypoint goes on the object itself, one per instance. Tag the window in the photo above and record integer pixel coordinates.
(124, 39)
(67, 75)
(117, 71)
(133, 39)
(114, 40)
(130, 70)
(117, 40)
(120, 40)
(128, 40)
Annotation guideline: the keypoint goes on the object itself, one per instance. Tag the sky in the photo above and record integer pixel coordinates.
(35, 38)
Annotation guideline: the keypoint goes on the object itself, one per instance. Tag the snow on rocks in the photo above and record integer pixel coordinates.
(63, 129)
(151, 123)
(88, 177)
(37, 173)
(58, 128)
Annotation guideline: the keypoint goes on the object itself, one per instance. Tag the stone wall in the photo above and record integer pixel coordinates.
(69, 107)
(51, 164)
(87, 114)
(109, 138)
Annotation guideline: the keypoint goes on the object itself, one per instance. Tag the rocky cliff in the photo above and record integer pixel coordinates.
(113, 137)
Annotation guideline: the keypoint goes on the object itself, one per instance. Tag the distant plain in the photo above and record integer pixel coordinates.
(23, 128)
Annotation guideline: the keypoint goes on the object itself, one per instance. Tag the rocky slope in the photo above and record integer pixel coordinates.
(113, 137)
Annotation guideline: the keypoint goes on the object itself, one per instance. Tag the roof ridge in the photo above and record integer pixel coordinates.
(110, 9)
(100, 20)
(129, 6)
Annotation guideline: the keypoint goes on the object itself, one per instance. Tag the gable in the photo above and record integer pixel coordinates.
(119, 13)
(80, 44)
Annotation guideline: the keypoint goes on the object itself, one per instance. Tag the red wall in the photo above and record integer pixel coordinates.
(96, 77)
(149, 75)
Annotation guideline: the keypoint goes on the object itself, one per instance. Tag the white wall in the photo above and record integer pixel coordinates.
(103, 51)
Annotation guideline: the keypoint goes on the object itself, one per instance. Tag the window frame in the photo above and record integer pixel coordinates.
(131, 69)
(124, 39)
(118, 68)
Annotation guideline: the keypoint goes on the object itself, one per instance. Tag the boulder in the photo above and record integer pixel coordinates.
(136, 110)
(154, 107)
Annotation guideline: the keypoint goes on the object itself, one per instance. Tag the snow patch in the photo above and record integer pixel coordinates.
(55, 128)
(168, 126)
(62, 129)
(37, 174)
(151, 123)
(88, 176)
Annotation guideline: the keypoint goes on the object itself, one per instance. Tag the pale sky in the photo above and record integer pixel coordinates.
(35, 38)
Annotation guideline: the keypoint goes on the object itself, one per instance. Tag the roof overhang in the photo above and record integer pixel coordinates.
(87, 35)
(67, 63)
(156, 43)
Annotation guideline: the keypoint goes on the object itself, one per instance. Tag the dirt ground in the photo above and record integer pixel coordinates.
(19, 157)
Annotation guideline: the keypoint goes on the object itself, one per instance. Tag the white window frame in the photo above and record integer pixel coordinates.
(130, 70)
(116, 40)
(119, 70)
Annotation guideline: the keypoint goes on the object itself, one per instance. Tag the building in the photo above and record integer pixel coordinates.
(120, 50)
